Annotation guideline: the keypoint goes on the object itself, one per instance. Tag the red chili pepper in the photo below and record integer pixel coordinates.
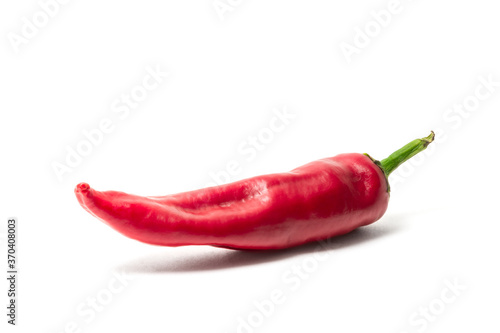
(322, 199)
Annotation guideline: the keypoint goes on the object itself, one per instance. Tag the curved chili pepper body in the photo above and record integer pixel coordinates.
(322, 199)
(325, 198)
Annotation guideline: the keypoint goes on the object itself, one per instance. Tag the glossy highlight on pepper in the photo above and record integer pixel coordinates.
(319, 200)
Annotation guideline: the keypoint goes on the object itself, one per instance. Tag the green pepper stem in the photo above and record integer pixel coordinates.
(400, 156)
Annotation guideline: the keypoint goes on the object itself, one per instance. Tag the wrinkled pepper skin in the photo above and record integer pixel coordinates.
(321, 199)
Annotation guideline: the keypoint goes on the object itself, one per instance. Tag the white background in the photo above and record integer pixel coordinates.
(225, 79)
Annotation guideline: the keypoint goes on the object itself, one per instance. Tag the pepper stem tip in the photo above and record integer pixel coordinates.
(403, 154)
